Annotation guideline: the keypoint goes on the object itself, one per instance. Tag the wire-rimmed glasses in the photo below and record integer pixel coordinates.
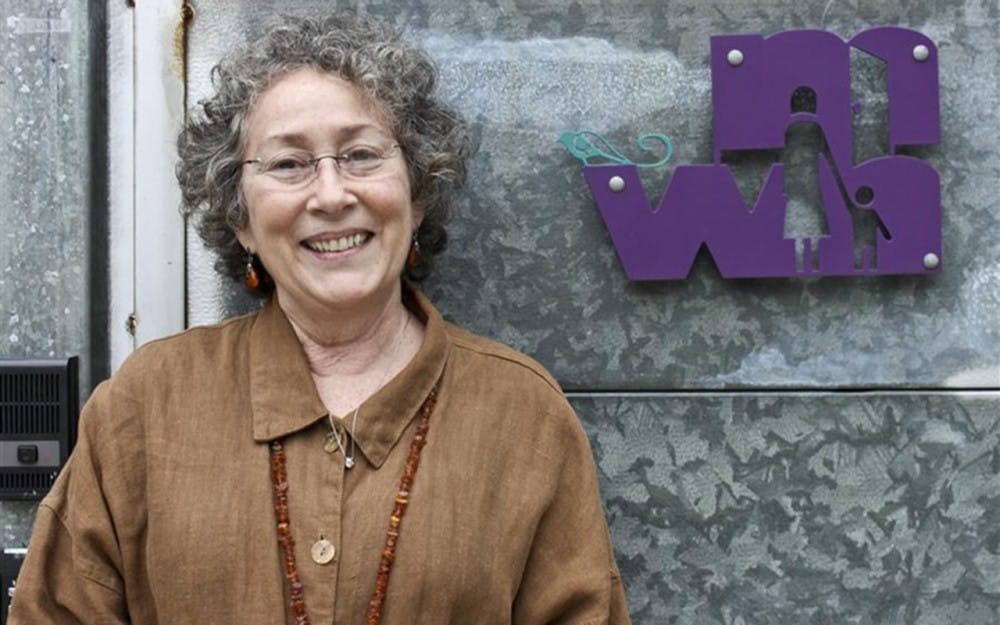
(299, 167)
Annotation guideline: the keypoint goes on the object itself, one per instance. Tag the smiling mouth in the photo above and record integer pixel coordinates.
(338, 245)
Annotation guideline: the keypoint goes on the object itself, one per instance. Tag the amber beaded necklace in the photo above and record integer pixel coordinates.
(279, 481)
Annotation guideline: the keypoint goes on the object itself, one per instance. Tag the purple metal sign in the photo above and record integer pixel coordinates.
(753, 82)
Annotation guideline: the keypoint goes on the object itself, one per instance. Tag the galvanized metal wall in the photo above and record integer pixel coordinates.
(52, 288)
(771, 451)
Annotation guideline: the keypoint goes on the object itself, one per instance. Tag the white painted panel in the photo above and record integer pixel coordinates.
(159, 115)
(121, 177)
(146, 105)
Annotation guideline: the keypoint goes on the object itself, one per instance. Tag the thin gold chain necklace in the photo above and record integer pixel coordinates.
(279, 482)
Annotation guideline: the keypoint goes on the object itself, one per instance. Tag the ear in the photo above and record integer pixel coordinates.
(245, 237)
(418, 215)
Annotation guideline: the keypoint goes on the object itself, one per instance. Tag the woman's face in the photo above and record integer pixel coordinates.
(334, 241)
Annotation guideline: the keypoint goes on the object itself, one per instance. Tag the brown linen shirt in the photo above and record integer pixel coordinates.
(164, 513)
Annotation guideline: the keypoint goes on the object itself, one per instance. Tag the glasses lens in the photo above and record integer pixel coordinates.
(288, 167)
(362, 160)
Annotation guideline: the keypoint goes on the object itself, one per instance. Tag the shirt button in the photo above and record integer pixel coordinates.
(329, 444)
(323, 551)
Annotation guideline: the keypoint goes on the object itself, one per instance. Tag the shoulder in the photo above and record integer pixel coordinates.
(498, 385)
(176, 371)
(499, 359)
(194, 351)
(195, 341)
(511, 406)
(167, 382)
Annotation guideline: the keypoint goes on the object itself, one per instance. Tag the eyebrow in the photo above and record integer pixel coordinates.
(300, 139)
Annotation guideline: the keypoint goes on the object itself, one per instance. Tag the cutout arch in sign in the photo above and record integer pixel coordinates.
(754, 80)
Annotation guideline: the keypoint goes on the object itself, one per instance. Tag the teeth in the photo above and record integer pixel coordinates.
(337, 245)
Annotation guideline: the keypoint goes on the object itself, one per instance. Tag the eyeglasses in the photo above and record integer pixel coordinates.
(297, 167)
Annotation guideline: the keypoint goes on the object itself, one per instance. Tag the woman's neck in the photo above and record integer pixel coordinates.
(351, 356)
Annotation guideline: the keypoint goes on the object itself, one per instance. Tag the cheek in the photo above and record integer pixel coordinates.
(396, 200)
(266, 214)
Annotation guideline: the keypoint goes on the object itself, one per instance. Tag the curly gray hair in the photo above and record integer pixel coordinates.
(369, 55)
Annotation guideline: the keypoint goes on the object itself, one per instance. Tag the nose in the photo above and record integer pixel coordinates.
(330, 191)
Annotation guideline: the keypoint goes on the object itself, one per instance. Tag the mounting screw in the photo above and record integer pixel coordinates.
(931, 261)
(131, 323)
(921, 52)
(616, 184)
(735, 57)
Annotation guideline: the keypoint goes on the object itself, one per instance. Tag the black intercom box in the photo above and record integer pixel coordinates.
(39, 409)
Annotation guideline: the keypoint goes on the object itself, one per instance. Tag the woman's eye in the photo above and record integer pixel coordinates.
(287, 163)
(361, 155)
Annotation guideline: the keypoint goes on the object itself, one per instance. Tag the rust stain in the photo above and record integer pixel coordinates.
(179, 47)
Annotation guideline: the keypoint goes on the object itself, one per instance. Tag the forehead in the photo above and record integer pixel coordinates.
(307, 105)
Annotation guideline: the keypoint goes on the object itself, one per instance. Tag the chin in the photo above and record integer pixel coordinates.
(356, 295)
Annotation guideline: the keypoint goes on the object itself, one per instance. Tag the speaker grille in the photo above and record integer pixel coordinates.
(26, 387)
(38, 405)
(27, 481)
(29, 420)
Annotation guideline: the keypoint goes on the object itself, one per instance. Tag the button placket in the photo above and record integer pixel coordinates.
(316, 481)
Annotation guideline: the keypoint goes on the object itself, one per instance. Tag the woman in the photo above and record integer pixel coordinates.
(343, 455)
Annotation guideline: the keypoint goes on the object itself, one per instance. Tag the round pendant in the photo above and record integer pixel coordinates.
(323, 551)
(348, 463)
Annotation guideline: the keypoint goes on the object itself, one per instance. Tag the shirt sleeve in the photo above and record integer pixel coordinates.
(72, 572)
(570, 577)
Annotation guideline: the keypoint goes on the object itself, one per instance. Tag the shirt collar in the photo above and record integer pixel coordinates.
(284, 398)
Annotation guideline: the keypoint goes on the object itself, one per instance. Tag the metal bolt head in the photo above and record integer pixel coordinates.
(931, 261)
(616, 184)
(735, 57)
(921, 52)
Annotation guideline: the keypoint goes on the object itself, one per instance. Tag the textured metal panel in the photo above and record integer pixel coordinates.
(44, 249)
(801, 508)
(729, 508)
(531, 264)
(46, 87)
(725, 508)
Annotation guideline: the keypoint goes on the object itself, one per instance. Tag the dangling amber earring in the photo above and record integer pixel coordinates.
(251, 278)
(413, 258)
